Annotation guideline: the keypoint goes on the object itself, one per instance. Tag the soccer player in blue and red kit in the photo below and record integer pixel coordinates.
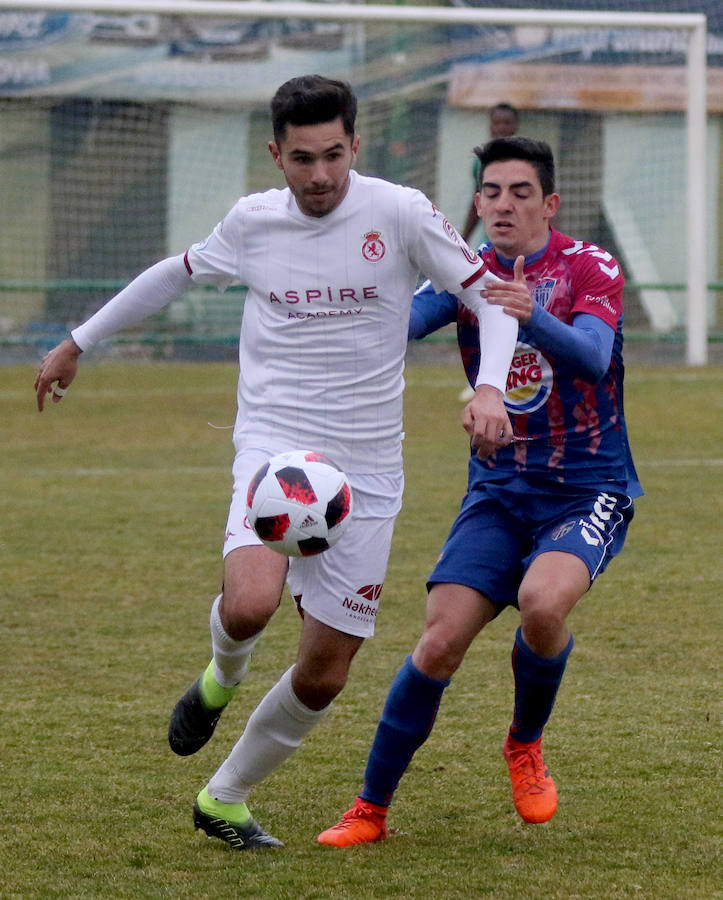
(543, 516)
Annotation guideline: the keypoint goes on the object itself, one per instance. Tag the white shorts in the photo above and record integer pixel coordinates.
(342, 586)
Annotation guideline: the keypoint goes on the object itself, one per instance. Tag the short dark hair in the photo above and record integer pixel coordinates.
(309, 100)
(505, 107)
(537, 153)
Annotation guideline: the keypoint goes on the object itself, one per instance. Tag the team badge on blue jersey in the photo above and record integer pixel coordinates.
(543, 292)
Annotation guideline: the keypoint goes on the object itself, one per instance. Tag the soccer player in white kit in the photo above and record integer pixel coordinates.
(331, 263)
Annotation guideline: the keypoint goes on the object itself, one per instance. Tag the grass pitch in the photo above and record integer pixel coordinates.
(113, 509)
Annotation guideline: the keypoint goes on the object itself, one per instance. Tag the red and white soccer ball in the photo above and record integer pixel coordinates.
(299, 503)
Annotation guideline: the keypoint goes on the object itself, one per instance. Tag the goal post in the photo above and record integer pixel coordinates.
(417, 60)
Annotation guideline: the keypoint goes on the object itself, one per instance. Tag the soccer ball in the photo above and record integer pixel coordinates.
(299, 503)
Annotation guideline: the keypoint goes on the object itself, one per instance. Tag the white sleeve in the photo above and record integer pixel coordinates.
(147, 294)
(435, 247)
(445, 258)
(497, 334)
(215, 260)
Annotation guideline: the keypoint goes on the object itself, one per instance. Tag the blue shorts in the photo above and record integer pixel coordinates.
(502, 526)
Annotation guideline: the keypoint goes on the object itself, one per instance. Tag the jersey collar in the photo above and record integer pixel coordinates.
(509, 262)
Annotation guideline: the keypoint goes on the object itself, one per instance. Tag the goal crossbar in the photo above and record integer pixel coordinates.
(355, 12)
(692, 23)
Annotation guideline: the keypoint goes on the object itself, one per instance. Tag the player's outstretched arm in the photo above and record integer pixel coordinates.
(56, 372)
(585, 346)
(149, 292)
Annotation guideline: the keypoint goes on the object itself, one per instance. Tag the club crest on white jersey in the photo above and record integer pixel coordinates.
(373, 248)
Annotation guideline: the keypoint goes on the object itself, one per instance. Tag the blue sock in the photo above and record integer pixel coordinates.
(406, 721)
(537, 679)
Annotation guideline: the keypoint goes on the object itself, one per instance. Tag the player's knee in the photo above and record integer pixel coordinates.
(546, 601)
(438, 654)
(541, 622)
(244, 615)
(317, 690)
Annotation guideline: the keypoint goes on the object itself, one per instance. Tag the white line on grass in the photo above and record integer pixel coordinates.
(680, 463)
(117, 471)
(712, 373)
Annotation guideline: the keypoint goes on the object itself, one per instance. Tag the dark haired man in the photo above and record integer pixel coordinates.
(331, 263)
(543, 516)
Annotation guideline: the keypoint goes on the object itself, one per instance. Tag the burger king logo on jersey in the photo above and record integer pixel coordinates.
(529, 381)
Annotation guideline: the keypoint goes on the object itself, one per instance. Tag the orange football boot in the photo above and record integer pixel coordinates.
(533, 790)
(364, 823)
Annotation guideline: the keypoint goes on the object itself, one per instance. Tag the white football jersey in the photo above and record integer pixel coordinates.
(324, 329)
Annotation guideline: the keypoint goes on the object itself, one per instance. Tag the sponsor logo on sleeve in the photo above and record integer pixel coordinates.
(452, 233)
(601, 301)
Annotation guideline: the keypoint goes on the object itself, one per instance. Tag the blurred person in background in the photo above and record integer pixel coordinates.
(504, 121)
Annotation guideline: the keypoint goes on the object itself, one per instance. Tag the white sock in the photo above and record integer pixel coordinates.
(230, 657)
(275, 729)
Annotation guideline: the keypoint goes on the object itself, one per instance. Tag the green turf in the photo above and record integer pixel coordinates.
(112, 508)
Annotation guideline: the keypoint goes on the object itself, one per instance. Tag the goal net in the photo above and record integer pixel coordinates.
(127, 132)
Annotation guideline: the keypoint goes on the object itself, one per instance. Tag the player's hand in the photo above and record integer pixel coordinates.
(57, 371)
(513, 296)
(486, 421)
